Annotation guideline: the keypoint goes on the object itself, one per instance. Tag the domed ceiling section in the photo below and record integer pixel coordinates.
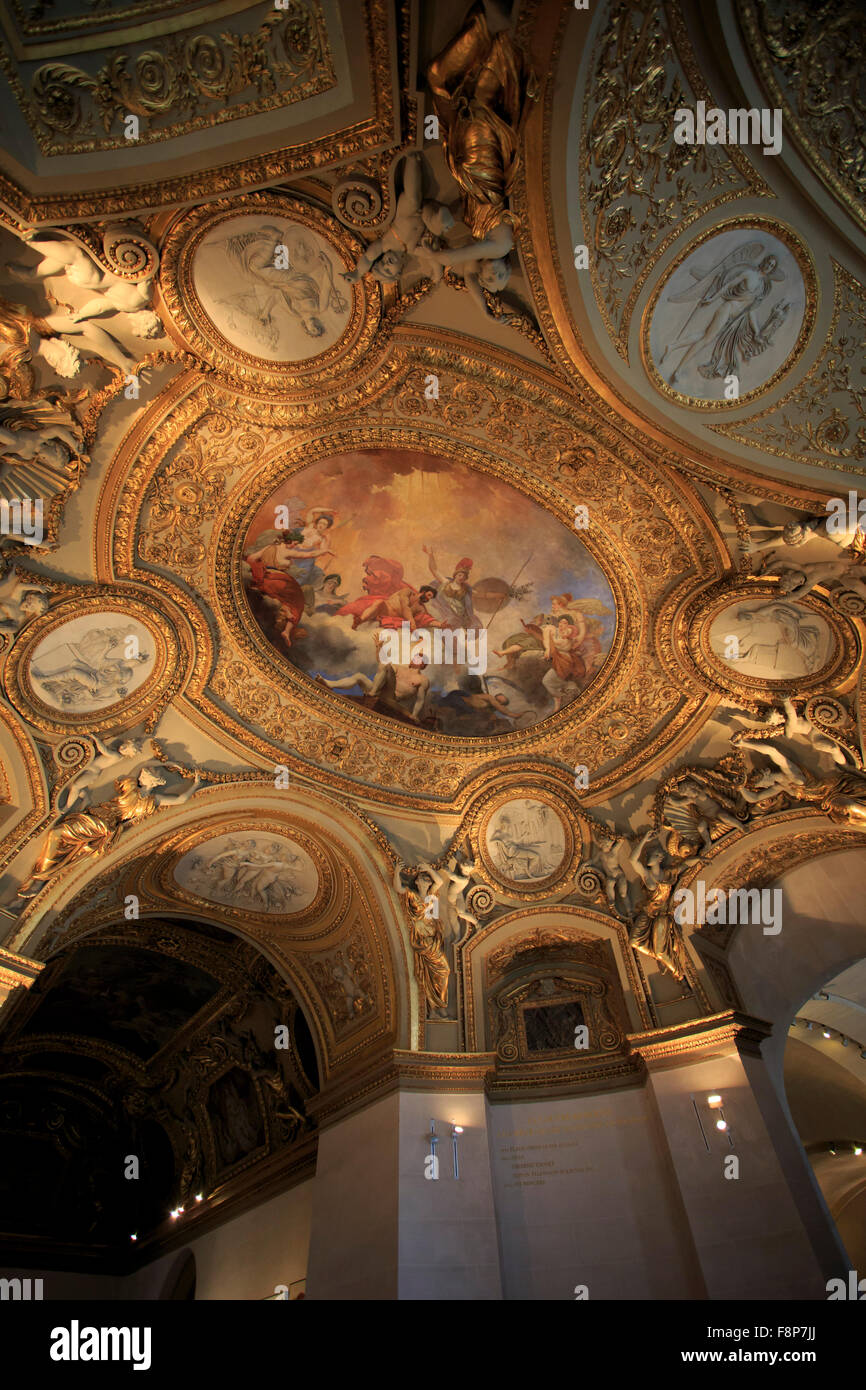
(697, 225)
(103, 99)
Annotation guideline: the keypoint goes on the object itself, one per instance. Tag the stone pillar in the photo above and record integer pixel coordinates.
(353, 1233)
(617, 1184)
(382, 1229)
(750, 1237)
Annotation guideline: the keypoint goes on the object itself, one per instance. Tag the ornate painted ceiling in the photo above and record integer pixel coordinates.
(419, 486)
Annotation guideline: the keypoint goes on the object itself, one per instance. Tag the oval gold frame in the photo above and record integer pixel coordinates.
(324, 900)
(153, 692)
(194, 329)
(720, 679)
(235, 611)
(802, 255)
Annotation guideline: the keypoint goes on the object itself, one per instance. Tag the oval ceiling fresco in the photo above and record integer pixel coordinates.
(427, 592)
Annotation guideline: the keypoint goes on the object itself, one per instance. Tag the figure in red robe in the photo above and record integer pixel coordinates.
(271, 577)
(381, 579)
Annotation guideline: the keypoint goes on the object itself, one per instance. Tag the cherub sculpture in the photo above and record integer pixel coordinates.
(104, 758)
(798, 580)
(606, 856)
(788, 721)
(691, 808)
(415, 220)
(112, 294)
(841, 796)
(39, 433)
(20, 600)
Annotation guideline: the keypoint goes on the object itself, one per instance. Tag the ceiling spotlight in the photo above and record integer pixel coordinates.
(458, 1129)
(199, 1197)
(844, 1042)
(857, 1149)
(721, 1124)
(826, 1032)
(832, 1149)
(714, 1102)
(174, 1214)
(808, 1023)
(136, 1237)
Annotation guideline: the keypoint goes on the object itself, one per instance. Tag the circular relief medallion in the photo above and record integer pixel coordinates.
(426, 592)
(732, 316)
(771, 640)
(87, 664)
(252, 872)
(271, 287)
(525, 843)
(92, 663)
(260, 293)
(761, 642)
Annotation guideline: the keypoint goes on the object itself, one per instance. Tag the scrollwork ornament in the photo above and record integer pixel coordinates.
(589, 882)
(286, 59)
(129, 252)
(808, 60)
(358, 203)
(72, 752)
(828, 714)
(480, 900)
(846, 601)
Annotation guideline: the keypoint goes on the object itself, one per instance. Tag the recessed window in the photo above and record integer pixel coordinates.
(550, 1027)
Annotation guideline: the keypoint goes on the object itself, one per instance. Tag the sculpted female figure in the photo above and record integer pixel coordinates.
(432, 970)
(480, 85)
(80, 834)
(654, 931)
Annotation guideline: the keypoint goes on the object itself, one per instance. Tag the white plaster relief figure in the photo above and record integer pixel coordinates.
(790, 723)
(112, 295)
(415, 219)
(798, 580)
(20, 600)
(722, 326)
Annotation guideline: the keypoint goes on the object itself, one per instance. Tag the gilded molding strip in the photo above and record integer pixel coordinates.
(806, 264)
(32, 24)
(286, 60)
(276, 166)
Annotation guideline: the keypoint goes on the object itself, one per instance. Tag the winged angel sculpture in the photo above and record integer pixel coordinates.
(722, 327)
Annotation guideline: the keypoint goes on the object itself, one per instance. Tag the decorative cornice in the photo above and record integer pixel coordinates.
(18, 971)
(700, 1039)
(347, 146)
